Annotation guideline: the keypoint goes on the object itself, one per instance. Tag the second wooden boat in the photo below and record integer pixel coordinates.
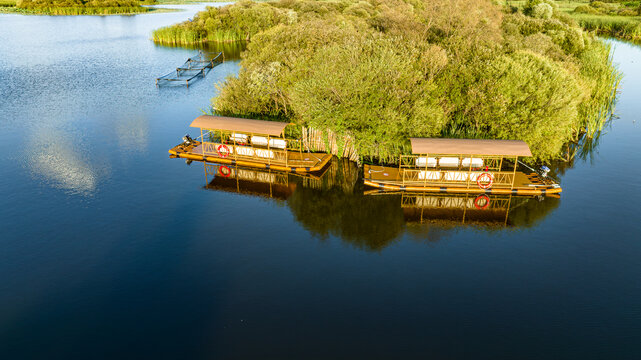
(462, 166)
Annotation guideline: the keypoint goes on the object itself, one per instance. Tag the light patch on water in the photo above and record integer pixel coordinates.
(54, 157)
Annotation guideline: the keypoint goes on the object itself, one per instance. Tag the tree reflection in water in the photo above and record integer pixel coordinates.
(231, 50)
(337, 204)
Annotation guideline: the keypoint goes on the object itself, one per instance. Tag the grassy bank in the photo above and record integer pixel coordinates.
(75, 7)
(226, 24)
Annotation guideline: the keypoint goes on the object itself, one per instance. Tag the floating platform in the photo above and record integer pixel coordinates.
(194, 68)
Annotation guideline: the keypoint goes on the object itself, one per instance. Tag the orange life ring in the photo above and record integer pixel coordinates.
(225, 173)
(485, 205)
(490, 180)
(225, 153)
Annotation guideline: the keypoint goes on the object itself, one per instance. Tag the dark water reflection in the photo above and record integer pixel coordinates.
(110, 249)
(336, 203)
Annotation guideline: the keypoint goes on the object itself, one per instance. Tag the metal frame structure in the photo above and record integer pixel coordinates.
(249, 143)
(266, 154)
(462, 176)
(192, 68)
(461, 166)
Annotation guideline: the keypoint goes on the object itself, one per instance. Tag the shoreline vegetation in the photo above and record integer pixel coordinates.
(620, 19)
(76, 7)
(104, 7)
(94, 7)
(381, 71)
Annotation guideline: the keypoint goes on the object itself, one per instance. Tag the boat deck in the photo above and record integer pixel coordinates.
(302, 162)
(391, 179)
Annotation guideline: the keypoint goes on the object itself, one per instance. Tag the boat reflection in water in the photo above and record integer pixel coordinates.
(478, 210)
(335, 203)
(264, 183)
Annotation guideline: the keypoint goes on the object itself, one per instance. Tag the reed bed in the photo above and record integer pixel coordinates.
(328, 141)
(89, 10)
(182, 35)
(626, 28)
(84, 7)
(238, 22)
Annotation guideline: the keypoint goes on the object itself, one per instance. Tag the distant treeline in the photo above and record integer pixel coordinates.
(385, 70)
(84, 7)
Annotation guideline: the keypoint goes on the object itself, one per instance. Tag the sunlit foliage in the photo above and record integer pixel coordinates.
(84, 7)
(385, 70)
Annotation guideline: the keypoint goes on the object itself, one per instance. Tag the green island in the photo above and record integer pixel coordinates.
(77, 7)
(381, 71)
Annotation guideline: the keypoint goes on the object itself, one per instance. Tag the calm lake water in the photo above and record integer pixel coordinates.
(110, 249)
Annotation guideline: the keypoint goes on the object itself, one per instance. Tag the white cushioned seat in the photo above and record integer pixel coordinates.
(425, 161)
(277, 143)
(239, 138)
(259, 140)
(476, 162)
(448, 162)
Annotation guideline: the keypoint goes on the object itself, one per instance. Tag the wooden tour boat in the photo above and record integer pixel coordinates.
(249, 143)
(462, 166)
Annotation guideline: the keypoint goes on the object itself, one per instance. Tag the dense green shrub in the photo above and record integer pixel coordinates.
(386, 70)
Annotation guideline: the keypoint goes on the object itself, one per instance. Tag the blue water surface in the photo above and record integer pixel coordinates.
(109, 249)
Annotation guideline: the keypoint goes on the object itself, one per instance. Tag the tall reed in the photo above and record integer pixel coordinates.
(626, 28)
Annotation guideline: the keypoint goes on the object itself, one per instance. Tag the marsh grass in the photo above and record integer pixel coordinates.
(614, 18)
(621, 27)
(88, 10)
(238, 22)
(178, 35)
(83, 7)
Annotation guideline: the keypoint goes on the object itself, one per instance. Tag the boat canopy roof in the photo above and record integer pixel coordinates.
(272, 128)
(470, 147)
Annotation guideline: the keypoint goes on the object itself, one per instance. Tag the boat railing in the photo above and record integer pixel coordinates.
(263, 154)
(454, 169)
(453, 177)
